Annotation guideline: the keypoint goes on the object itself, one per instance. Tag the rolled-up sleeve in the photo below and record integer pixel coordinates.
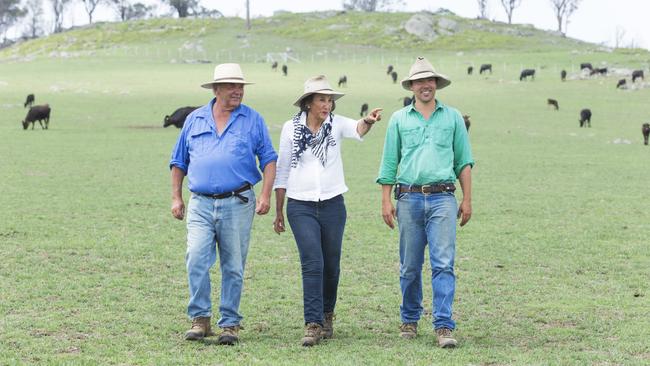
(462, 148)
(284, 157)
(265, 152)
(391, 155)
(180, 154)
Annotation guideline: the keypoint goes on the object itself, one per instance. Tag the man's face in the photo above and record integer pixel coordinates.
(424, 89)
(229, 94)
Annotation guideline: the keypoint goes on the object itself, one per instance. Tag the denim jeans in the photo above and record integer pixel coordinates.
(318, 230)
(422, 219)
(223, 225)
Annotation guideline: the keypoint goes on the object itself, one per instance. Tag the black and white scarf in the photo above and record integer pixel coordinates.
(304, 138)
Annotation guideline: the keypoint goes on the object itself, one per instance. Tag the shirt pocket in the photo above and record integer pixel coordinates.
(200, 141)
(239, 144)
(412, 137)
(443, 137)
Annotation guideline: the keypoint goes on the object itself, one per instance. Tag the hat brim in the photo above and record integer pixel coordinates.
(441, 80)
(335, 95)
(225, 81)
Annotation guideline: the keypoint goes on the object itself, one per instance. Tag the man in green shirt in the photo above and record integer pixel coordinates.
(426, 149)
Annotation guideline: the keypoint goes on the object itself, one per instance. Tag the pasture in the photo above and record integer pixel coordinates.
(552, 269)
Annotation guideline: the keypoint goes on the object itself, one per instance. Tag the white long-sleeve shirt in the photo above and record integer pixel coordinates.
(310, 181)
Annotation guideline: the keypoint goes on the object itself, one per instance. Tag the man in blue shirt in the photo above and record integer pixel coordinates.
(217, 150)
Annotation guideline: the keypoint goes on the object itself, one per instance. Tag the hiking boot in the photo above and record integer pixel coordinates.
(445, 338)
(408, 330)
(312, 334)
(328, 325)
(200, 329)
(229, 335)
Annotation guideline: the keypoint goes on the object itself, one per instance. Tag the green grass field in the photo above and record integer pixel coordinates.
(552, 269)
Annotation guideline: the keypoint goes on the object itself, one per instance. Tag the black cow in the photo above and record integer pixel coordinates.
(467, 122)
(285, 70)
(29, 101)
(40, 113)
(343, 81)
(637, 74)
(274, 66)
(364, 109)
(585, 118)
(563, 75)
(390, 69)
(586, 65)
(485, 67)
(621, 83)
(552, 102)
(470, 69)
(407, 100)
(526, 73)
(393, 75)
(601, 71)
(178, 117)
(645, 129)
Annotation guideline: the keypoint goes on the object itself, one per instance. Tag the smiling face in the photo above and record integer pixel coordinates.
(424, 89)
(320, 106)
(229, 95)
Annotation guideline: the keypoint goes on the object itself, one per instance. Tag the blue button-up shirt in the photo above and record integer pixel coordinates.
(216, 164)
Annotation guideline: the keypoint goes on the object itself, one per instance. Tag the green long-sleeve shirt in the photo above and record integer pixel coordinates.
(419, 152)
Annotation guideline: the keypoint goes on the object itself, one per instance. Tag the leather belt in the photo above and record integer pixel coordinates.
(427, 189)
(235, 193)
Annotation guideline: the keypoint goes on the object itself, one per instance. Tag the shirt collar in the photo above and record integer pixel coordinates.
(411, 107)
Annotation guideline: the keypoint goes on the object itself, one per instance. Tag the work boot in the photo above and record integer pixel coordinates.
(328, 325)
(445, 338)
(312, 334)
(408, 330)
(229, 335)
(200, 329)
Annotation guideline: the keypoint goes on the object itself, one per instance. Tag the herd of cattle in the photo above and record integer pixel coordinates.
(41, 113)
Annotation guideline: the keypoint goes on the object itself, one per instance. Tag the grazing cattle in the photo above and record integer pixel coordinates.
(285, 70)
(470, 69)
(585, 117)
(393, 75)
(40, 113)
(274, 66)
(29, 101)
(552, 102)
(364, 109)
(621, 83)
(601, 71)
(586, 65)
(563, 75)
(467, 122)
(637, 74)
(343, 81)
(390, 69)
(485, 67)
(178, 117)
(645, 129)
(407, 100)
(526, 73)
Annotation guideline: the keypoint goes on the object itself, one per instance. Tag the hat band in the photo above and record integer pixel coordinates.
(229, 78)
(421, 72)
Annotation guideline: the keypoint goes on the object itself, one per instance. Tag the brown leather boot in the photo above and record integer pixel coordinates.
(200, 329)
(312, 334)
(445, 338)
(328, 325)
(229, 335)
(408, 330)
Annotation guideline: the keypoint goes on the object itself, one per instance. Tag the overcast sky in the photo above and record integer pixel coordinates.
(595, 21)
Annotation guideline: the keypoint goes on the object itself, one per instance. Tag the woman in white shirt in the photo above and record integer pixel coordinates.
(310, 174)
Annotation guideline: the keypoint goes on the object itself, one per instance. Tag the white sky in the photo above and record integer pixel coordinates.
(594, 21)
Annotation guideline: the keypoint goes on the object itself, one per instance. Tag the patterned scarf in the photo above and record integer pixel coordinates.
(304, 138)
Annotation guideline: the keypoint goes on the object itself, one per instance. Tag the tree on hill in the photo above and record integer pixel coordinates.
(563, 10)
(370, 5)
(58, 7)
(10, 12)
(183, 7)
(482, 9)
(128, 11)
(509, 6)
(34, 19)
(90, 6)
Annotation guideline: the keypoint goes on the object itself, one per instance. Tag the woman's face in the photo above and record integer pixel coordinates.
(320, 106)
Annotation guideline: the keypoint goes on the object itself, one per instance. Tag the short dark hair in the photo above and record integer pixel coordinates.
(308, 99)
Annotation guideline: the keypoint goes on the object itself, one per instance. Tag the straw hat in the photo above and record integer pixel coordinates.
(226, 73)
(423, 69)
(318, 85)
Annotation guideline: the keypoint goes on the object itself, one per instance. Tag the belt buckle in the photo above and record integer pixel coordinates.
(422, 188)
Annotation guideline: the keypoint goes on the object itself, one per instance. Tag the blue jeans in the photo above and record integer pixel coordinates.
(422, 219)
(223, 225)
(318, 230)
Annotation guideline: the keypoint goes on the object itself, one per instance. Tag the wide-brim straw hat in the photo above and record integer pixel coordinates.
(226, 73)
(423, 69)
(318, 85)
